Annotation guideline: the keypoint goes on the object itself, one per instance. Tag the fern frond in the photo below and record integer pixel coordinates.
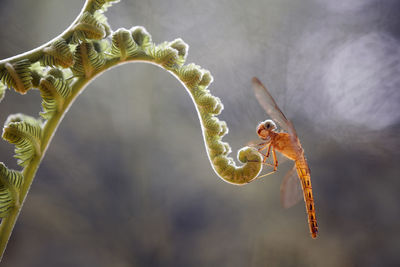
(37, 72)
(182, 48)
(102, 46)
(87, 60)
(10, 177)
(206, 79)
(88, 27)
(123, 44)
(3, 89)
(53, 92)
(18, 76)
(102, 4)
(210, 104)
(141, 37)
(164, 55)
(211, 124)
(57, 54)
(102, 19)
(25, 133)
(35, 78)
(6, 201)
(191, 75)
(56, 73)
(10, 182)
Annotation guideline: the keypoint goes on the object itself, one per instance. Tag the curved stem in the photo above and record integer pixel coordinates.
(7, 224)
(29, 172)
(49, 129)
(206, 105)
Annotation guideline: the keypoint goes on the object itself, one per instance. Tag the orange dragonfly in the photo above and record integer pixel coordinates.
(288, 144)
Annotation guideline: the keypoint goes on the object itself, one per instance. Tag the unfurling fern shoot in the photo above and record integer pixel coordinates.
(63, 67)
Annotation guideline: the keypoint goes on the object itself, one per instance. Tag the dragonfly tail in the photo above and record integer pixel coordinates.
(304, 174)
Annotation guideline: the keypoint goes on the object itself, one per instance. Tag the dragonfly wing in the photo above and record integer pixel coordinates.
(268, 103)
(291, 192)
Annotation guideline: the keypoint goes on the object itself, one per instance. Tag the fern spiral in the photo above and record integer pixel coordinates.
(63, 67)
(25, 133)
(17, 75)
(58, 54)
(87, 60)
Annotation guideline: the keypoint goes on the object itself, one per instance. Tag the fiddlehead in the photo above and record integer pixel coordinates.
(3, 89)
(17, 75)
(89, 27)
(25, 133)
(53, 90)
(141, 37)
(101, 5)
(63, 67)
(208, 106)
(58, 54)
(87, 60)
(10, 182)
(124, 46)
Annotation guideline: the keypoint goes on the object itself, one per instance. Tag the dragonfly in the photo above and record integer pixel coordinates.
(288, 144)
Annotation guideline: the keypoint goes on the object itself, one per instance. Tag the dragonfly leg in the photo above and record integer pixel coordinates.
(259, 146)
(265, 156)
(271, 172)
(264, 146)
(275, 159)
(269, 149)
(265, 160)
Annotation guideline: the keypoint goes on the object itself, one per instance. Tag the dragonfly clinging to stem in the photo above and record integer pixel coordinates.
(288, 144)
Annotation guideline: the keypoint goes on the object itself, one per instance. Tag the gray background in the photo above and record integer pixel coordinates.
(126, 180)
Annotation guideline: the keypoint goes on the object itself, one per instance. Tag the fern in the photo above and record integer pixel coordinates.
(102, 19)
(191, 75)
(10, 182)
(53, 92)
(60, 75)
(3, 89)
(10, 177)
(182, 48)
(89, 27)
(101, 5)
(17, 75)
(6, 201)
(87, 60)
(141, 37)
(123, 45)
(58, 54)
(164, 55)
(25, 133)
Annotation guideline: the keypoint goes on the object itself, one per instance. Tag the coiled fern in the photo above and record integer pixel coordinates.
(62, 68)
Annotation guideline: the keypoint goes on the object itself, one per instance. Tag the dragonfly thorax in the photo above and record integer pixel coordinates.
(265, 128)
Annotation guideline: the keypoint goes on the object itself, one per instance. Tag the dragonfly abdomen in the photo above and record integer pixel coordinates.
(305, 178)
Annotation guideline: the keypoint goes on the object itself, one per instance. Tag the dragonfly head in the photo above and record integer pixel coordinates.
(264, 128)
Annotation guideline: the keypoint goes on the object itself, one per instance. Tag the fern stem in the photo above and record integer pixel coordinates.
(49, 129)
(7, 224)
(170, 58)
(29, 171)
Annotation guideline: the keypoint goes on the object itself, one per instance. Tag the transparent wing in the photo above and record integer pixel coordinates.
(268, 103)
(291, 192)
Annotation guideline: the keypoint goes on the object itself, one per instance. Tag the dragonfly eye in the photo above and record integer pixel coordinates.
(269, 125)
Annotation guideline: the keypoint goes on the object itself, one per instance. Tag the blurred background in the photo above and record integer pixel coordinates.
(127, 182)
